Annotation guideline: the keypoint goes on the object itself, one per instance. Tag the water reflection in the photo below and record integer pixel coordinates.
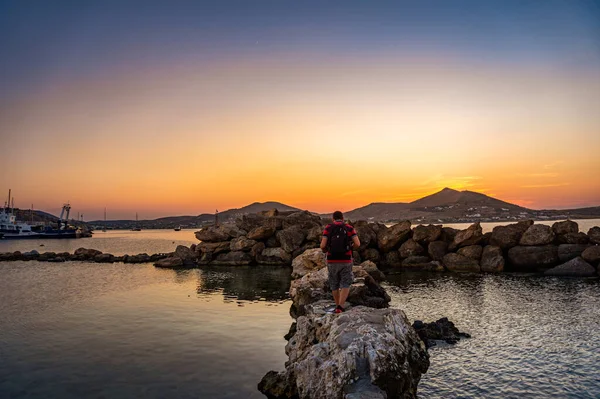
(245, 283)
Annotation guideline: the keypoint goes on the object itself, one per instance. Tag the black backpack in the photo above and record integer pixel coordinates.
(339, 242)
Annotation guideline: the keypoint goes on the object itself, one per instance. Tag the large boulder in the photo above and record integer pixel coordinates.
(254, 220)
(139, 258)
(471, 236)
(224, 232)
(573, 238)
(366, 235)
(272, 242)
(84, 253)
(303, 219)
(372, 270)
(440, 330)
(171, 262)
(472, 251)
(592, 254)
(392, 237)
(314, 234)
(492, 260)
(186, 254)
(371, 254)
(426, 234)
(214, 248)
(241, 244)
(411, 248)
(291, 238)
(437, 250)
(537, 234)
(594, 235)
(257, 249)
(459, 263)
(392, 259)
(309, 261)
(567, 252)
(448, 234)
(363, 353)
(574, 268)
(568, 226)
(261, 233)
(509, 236)
(234, 258)
(274, 256)
(523, 258)
(102, 258)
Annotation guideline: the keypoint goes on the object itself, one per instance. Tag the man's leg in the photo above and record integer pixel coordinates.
(336, 296)
(342, 296)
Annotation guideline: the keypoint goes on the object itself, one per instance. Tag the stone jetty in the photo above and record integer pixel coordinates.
(369, 351)
(276, 238)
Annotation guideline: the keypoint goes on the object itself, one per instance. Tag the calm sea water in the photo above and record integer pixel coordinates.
(86, 330)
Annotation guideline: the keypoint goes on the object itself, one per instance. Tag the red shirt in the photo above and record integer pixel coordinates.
(347, 257)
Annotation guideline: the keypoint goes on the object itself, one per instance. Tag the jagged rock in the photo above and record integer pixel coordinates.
(104, 258)
(273, 242)
(214, 248)
(276, 385)
(594, 235)
(592, 254)
(274, 256)
(173, 261)
(574, 268)
(437, 250)
(448, 234)
(305, 247)
(509, 236)
(472, 251)
(291, 238)
(366, 235)
(528, 258)
(492, 260)
(373, 271)
(314, 286)
(441, 330)
(471, 236)
(261, 233)
(84, 253)
(56, 259)
(309, 261)
(459, 263)
(187, 255)
(257, 249)
(314, 234)
(567, 252)
(241, 244)
(363, 350)
(254, 220)
(410, 248)
(377, 227)
(224, 232)
(371, 254)
(426, 234)
(573, 238)
(537, 234)
(568, 226)
(302, 219)
(234, 258)
(390, 238)
(33, 254)
(392, 259)
(157, 257)
(356, 258)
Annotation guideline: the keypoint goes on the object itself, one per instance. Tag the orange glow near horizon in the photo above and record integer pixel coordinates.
(184, 139)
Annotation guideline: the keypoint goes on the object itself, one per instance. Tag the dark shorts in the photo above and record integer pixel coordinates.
(340, 275)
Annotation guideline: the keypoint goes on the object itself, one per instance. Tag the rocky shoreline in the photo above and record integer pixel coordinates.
(276, 238)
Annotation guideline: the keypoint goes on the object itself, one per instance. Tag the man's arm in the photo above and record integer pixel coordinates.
(324, 244)
(355, 242)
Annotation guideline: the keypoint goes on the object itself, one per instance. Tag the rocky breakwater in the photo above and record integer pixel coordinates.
(367, 351)
(81, 254)
(267, 238)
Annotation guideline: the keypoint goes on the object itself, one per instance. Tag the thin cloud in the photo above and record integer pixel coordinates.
(546, 185)
(549, 174)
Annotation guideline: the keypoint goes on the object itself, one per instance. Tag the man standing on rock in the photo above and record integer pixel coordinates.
(339, 238)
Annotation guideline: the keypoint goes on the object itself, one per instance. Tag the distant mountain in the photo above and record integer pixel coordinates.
(447, 206)
(194, 221)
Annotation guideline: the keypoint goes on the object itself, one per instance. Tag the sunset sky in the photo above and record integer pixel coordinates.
(181, 107)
